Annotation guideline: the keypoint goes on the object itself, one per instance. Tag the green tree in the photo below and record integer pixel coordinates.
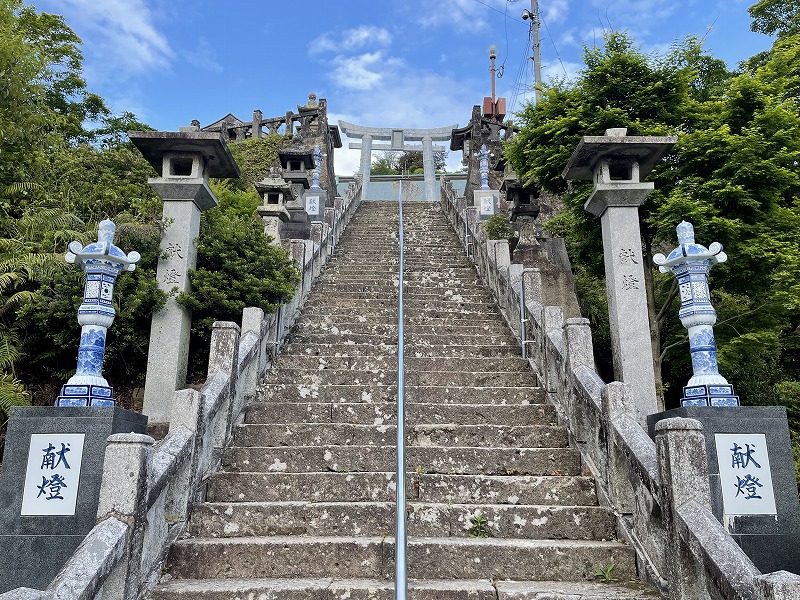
(620, 87)
(237, 267)
(733, 173)
(772, 17)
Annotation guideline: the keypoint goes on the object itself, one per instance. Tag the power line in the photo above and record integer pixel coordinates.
(552, 41)
(497, 10)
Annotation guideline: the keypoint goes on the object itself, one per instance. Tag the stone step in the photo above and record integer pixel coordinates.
(386, 413)
(389, 288)
(420, 340)
(388, 376)
(238, 519)
(373, 557)
(367, 305)
(371, 589)
(442, 488)
(452, 327)
(426, 295)
(466, 274)
(477, 434)
(368, 309)
(434, 394)
(412, 363)
(431, 459)
(411, 350)
(390, 318)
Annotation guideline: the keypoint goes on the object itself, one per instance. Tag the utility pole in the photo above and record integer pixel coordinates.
(533, 15)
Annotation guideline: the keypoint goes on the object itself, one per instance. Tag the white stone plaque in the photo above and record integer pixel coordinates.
(744, 474)
(312, 205)
(487, 205)
(53, 474)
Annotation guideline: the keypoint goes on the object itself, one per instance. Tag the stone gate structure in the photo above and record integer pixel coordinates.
(397, 139)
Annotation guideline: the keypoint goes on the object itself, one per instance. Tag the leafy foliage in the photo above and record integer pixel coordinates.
(733, 173)
(236, 268)
(498, 228)
(397, 163)
(53, 337)
(255, 155)
(776, 16)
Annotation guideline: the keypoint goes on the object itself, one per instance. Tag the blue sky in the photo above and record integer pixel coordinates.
(407, 63)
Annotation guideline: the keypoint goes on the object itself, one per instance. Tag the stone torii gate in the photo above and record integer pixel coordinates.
(397, 139)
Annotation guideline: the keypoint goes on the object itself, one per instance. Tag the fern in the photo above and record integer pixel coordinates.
(12, 393)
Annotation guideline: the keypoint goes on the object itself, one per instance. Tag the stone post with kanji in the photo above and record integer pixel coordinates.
(184, 160)
(690, 263)
(615, 162)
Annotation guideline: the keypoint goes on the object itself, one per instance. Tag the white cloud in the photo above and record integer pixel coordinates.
(122, 32)
(351, 40)
(555, 11)
(459, 14)
(409, 99)
(357, 72)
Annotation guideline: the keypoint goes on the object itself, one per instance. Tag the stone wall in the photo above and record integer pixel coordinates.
(658, 490)
(149, 487)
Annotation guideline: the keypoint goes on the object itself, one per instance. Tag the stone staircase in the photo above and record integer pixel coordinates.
(304, 505)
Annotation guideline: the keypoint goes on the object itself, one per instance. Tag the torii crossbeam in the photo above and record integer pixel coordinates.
(397, 139)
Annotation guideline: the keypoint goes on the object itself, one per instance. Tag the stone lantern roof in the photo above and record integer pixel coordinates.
(155, 144)
(646, 150)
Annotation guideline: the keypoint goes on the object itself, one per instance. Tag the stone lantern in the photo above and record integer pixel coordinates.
(690, 263)
(184, 160)
(523, 201)
(616, 162)
(275, 192)
(297, 165)
(102, 262)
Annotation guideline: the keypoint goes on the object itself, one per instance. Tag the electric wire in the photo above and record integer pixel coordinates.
(520, 82)
(552, 41)
(497, 10)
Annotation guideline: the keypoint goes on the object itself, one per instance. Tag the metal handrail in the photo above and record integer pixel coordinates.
(400, 574)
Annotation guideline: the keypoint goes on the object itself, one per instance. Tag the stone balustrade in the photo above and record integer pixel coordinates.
(658, 490)
(149, 487)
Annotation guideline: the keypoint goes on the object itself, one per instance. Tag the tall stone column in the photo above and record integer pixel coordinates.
(366, 163)
(615, 162)
(429, 168)
(185, 161)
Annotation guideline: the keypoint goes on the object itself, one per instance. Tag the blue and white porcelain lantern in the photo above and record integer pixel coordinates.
(317, 156)
(102, 262)
(483, 162)
(690, 263)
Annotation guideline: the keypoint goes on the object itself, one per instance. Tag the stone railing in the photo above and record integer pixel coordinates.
(658, 490)
(149, 487)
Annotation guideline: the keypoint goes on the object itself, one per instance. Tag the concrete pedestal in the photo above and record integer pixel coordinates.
(316, 201)
(34, 547)
(487, 202)
(772, 541)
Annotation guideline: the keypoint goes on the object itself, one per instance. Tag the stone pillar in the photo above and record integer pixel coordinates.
(780, 585)
(168, 353)
(627, 306)
(123, 494)
(683, 466)
(615, 162)
(429, 169)
(185, 160)
(366, 164)
(256, 130)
